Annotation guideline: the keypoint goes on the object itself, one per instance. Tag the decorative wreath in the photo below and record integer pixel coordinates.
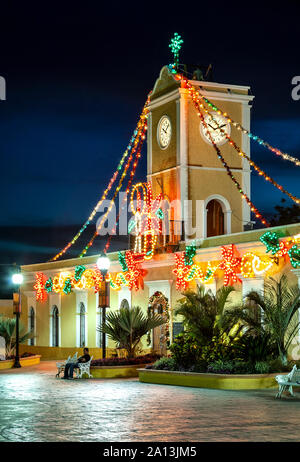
(159, 298)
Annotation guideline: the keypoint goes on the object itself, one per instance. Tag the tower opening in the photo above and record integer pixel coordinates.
(215, 219)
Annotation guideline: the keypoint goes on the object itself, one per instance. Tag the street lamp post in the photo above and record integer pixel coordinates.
(103, 265)
(17, 280)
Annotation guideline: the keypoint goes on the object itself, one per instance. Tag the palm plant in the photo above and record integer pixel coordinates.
(203, 313)
(8, 332)
(128, 325)
(279, 306)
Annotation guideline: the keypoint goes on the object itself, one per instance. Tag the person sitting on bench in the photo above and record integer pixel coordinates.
(69, 367)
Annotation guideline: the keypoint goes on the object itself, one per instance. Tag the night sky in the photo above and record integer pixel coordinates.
(77, 76)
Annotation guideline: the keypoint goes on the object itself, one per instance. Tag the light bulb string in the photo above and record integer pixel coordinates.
(244, 155)
(256, 138)
(136, 136)
(243, 194)
(137, 151)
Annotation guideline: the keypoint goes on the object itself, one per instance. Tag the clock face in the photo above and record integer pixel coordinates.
(214, 124)
(164, 132)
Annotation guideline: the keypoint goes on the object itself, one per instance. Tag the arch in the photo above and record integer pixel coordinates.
(124, 304)
(55, 326)
(82, 313)
(217, 216)
(159, 304)
(31, 324)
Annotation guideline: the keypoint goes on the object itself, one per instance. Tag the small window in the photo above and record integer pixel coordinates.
(31, 324)
(82, 325)
(55, 327)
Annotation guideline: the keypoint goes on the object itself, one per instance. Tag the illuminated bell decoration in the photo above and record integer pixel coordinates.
(271, 241)
(294, 254)
(79, 270)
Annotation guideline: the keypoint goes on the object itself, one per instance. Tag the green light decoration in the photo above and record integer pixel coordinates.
(189, 254)
(294, 254)
(122, 261)
(175, 46)
(49, 285)
(68, 286)
(160, 214)
(79, 270)
(271, 241)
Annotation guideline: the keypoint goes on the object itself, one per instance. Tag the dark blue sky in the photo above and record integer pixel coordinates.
(77, 77)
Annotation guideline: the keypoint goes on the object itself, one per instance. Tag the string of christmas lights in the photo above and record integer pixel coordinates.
(259, 140)
(244, 155)
(132, 173)
(229, 173)
(133, 141)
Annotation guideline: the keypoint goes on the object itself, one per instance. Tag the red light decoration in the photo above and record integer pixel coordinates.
(39, 287)
(230, 265)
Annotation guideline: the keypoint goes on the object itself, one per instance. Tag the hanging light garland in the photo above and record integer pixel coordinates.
(133, 142)
(137, 151)
(277, 151)
(243, 154)
(229, 173)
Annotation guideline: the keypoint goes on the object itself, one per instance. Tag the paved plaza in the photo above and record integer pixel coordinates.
(35, 406)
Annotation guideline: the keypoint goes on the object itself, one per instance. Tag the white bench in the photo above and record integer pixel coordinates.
(288, 381)
(84, 368)
(61, 366)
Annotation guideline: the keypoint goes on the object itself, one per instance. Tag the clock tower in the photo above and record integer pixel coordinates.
(183, 164)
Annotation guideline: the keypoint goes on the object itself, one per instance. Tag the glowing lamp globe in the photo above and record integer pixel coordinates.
(17, 278)
(103, 264)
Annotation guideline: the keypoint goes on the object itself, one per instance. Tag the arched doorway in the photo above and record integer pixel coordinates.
(124, 304)
(215, 219)
(159, 304)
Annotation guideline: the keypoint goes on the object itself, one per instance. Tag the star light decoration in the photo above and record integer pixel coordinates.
(230, 265)
(175, 45)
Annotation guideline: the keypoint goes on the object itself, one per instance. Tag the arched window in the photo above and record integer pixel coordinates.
(215, 219)
(55, 327)
(82, 325)
(124, 303)
(31, 324)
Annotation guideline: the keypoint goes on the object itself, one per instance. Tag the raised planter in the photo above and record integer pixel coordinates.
(25, 362)
(110, 372)
(204, 380)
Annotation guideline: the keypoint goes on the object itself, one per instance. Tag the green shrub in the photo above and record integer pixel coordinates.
(220, 348)
(255, 349)
(186, 350)
(230, 367)
(262, 367)
(165, 364)
(276, 365)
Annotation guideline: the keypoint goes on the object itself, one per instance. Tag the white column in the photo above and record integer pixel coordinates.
(296, 272)
(183, 153)
(246, 183)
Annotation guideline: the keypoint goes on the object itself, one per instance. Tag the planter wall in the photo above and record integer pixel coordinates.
(203, 380)
(25, 362)
(110, 372)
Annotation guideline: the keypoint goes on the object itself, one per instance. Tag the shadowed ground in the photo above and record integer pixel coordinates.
(35, 406)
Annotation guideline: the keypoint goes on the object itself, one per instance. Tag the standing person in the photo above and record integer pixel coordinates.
(69, 367)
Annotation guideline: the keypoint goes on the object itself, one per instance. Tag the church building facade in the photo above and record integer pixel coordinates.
(209, 236)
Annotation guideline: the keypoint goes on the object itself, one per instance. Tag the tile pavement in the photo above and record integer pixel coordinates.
(35, 406)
